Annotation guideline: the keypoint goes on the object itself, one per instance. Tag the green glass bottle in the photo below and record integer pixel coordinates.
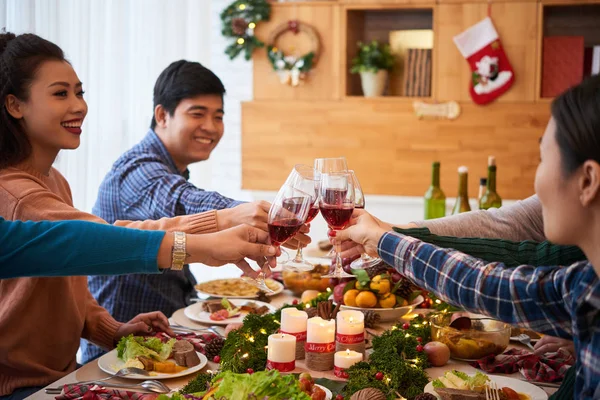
(435, 199)
(462, 198)
(490, 198)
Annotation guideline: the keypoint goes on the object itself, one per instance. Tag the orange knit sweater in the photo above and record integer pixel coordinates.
(42, 319)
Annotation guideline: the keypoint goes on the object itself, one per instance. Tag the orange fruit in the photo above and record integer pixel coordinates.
(381, 286)
(387, 301)
(350, 297)
(366, 299)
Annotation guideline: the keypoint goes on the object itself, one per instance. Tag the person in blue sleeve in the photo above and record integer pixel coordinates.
(68, 248)
(562, 302)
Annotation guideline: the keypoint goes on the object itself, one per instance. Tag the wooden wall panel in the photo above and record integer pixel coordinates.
(324, 80)
(389, 148)
(516, 24)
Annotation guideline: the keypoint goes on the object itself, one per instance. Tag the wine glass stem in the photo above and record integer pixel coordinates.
(299, 256)
(365, 257)
(338, 256)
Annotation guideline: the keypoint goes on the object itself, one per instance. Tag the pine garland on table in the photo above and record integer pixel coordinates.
(239, 20)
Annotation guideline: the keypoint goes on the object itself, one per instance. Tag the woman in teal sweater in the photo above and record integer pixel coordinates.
(85, 248)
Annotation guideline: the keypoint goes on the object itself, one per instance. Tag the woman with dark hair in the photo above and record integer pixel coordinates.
(562, 302)
(43, 319)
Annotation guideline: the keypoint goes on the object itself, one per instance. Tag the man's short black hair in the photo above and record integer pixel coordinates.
(183, 80)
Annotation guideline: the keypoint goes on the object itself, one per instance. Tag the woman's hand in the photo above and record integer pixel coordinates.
(364, 231)
(145, 324)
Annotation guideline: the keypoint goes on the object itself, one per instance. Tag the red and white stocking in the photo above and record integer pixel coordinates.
(492, 74)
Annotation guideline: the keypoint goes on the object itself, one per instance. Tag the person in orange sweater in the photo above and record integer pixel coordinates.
(43, 319)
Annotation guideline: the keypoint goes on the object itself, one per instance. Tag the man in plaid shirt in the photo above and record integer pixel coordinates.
(150, 181)
(558, 301)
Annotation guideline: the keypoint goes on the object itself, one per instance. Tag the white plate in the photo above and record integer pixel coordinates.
(195, 313)
(219, 296)
(328, 394)
(517, 385)
(110, 364)
(390, 314)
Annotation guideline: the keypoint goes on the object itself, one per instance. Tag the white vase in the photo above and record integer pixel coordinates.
(373, 83)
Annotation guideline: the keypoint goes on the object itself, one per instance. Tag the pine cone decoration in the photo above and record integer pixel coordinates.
(368, 394)
(371, 319)
(239, 26)
(426, 396)
(405, 288)
(214, 347)
(377, 269)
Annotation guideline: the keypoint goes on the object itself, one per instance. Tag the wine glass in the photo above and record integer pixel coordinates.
(306, 179)
(286, 216)
(336, 203)
(328, 165)
(365, 261)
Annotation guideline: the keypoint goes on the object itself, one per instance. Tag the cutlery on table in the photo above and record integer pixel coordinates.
(526, 340)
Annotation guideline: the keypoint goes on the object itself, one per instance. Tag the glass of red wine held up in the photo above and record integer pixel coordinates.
(286, 216)
(336, 203)
(306, 179)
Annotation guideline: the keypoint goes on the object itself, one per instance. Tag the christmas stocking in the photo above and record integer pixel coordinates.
(492, 73)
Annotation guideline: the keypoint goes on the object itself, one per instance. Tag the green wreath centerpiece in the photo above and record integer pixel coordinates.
(239, 20)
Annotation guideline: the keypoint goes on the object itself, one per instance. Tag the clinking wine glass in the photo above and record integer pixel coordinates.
(306, 179)
(336, 203)
(285, 219)
(365, 261)
(329, 165)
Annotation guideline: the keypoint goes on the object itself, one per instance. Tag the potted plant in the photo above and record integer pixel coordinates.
(373, 62)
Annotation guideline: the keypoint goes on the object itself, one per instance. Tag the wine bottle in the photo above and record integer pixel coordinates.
(462, 198)
(490, 198)
(482, 187)
(435, 199)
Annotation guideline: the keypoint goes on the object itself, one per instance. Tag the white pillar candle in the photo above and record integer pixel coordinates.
(350, 322)
(281, 348)
(346, 359)
(320, 330)
(293, 320)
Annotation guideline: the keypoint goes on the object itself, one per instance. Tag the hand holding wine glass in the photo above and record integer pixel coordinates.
(336, 203)
(286, 216)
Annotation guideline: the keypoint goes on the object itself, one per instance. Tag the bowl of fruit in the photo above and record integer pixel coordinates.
(298, 281)
(380, 289)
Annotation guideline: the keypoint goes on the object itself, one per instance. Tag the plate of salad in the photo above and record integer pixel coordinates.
(162, 359)
(263, 385)
(226, 311)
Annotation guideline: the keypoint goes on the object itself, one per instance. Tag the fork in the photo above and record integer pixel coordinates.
(526, 340)
(150, 385)
(184, 329)
(492, 392)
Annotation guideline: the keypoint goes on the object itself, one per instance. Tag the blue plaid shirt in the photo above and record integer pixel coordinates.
(144, 183)
(563, 302)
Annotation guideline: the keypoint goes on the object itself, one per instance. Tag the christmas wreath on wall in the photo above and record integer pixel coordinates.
(239, 20)
(290, 68)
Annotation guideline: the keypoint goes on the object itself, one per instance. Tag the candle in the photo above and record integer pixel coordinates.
(320, 331)
(281, 352)
(293, 320)
(350, 322)
(344, 360)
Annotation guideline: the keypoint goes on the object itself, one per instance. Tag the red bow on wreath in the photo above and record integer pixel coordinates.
(294, 26)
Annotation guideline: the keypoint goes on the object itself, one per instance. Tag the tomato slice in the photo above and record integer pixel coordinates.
(511, 394)
(221, 315)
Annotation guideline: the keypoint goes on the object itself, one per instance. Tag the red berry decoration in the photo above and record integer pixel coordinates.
(420, 339)
(405, 325)
(339, 397)
(295, 302)
(217, 359)
(379, 376)
(250, 371)
(419, 348)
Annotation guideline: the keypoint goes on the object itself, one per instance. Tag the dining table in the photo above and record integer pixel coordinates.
(91, 370)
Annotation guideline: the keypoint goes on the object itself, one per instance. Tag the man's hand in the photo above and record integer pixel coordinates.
(551, 344)
(254, 214)
(145, 324)
(233, 246)
(364, 230)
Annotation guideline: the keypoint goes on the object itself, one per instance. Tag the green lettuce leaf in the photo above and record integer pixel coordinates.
(131, 347)
(438, 384)
(461, 375)
(478, 381)
(262, 385)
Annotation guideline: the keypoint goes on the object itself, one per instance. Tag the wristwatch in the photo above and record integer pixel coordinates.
(178, 254)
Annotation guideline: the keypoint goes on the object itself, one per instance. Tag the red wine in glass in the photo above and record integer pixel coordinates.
(283, 229)
(312, 213)
(335, 196)
(361, 207)
(337, 217)
(293, 204)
